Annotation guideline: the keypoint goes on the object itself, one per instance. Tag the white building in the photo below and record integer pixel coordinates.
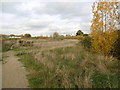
(14, 37)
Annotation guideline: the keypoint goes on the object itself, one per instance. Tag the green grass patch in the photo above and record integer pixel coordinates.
(105, 80)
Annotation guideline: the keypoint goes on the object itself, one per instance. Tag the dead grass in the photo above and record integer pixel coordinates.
(66, 65)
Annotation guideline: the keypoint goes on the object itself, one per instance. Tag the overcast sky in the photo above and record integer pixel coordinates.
(45, 18)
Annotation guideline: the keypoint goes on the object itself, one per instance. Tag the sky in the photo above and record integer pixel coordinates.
(43, 17)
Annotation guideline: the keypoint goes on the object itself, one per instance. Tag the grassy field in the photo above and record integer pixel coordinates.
(66, 64)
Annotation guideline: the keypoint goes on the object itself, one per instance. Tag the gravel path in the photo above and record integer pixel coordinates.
(14, 74)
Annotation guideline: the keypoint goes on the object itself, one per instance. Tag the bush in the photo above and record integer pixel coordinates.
(85, 34)
(86, 42)
(61, 37)
(103, 42)
(116, 51)
(55, 35)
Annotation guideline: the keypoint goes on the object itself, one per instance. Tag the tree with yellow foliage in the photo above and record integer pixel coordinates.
(104, 25)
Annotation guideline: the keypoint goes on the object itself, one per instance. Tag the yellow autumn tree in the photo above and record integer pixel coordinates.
(104, 25)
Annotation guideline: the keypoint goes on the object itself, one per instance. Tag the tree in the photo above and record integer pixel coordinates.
(27, 35)
(104, 25)
(79, 32)
(55, 35)
(12, 35)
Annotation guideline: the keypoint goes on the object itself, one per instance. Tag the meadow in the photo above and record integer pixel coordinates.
(67, 64)
(59, 58)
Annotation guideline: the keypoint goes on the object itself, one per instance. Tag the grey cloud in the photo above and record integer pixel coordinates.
(66, 9)
(63, 17)
(7, 26)
(9, 7)
(14, 8)
(37, 24)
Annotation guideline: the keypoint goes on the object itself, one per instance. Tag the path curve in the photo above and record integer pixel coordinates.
(14, 74)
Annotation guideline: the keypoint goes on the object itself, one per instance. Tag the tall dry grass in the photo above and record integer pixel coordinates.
(69, 67)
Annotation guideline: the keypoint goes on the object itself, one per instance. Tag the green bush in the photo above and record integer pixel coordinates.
(61, 37)
(55, 35)
(85, 34)
(86, 42)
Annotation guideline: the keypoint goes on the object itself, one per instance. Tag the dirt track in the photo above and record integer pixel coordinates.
(14, 74)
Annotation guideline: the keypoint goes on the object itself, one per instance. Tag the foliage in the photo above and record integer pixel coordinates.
(116, 51)
(55, 35)
(104, 25)
(12, 35)
(86, 42)
(61, 37)
(27, 35)
(85, 34)
(79, 32)
(104, 43)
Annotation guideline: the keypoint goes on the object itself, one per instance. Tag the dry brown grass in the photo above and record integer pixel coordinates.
(67, 65)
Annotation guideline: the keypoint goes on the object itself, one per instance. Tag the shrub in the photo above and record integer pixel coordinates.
(85, 34)
(104, 42)
(55, 35)
(86, 42)
(116, 51)
(61, 37)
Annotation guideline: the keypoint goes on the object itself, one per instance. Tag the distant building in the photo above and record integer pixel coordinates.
(14, 37)
(63, 34)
